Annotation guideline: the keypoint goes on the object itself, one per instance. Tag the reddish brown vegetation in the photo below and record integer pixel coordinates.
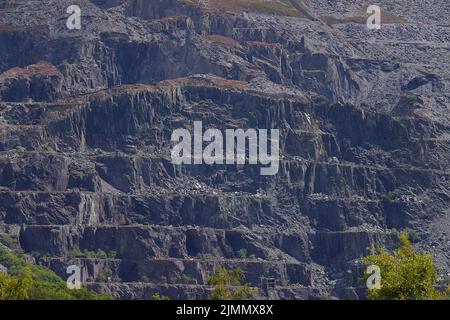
(222, 40)
(138, 88)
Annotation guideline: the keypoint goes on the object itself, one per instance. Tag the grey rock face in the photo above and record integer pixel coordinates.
(3, 269)
(86, 118)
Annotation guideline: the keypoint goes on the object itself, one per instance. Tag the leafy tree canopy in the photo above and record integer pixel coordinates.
(405, 274)
(227, 285)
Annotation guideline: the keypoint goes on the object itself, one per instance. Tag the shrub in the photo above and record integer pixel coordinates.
(185, 279)
(7, 241)
(405, 274)
(159, 297)
(122, 220)
(16, 287)
(38, 255)
(242, 253)
(412, 99)
(27, 281)
(75, 252)
(104, 275)
(413, 236)
(201, 257)
(101, 254)
(112, 254)
(10, 260)
(227, 285)
(391, 196)
(89, 254)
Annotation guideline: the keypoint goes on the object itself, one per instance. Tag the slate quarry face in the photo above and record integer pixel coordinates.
(86, 118)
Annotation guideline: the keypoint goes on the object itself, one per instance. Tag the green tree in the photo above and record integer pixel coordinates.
(405, 274)
(227, 285)
(159, 297)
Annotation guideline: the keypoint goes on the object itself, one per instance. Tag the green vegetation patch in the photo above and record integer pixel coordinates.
(227, 285)
(405, 274)
(25, 281)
